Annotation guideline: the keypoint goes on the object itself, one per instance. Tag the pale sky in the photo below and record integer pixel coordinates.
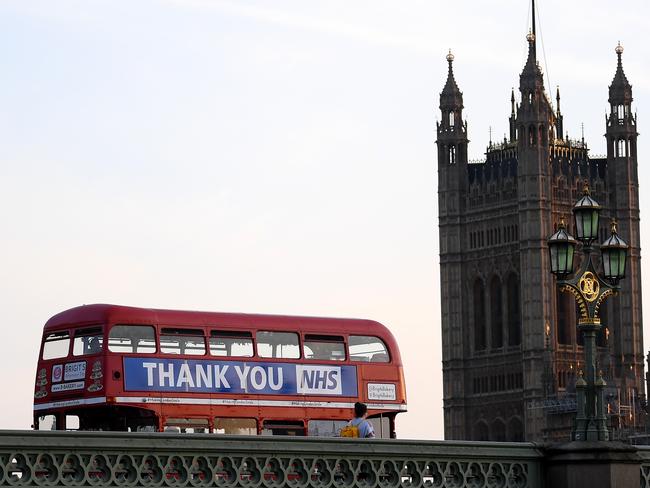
(267, 157)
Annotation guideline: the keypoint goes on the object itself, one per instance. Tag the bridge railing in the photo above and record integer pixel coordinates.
(165, 459)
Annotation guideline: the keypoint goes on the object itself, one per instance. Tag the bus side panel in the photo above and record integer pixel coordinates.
(381, 384)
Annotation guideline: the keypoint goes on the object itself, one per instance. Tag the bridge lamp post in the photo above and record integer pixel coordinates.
(590, 291)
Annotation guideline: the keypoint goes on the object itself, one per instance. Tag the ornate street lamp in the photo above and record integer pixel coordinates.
(586, 212)
(561, 247)
(590, 291)
(614, 255)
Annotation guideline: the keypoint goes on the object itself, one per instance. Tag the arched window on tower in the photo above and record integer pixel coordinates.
(620, 112)
(514, 313)
(451, 119)
(496, 315)
(479, 316)
(531, 136)
(498, 431)
(515, 430)
(481, 432)
(621, 148)
(452, 154)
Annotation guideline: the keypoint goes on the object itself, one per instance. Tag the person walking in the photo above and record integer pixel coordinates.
(359, 426)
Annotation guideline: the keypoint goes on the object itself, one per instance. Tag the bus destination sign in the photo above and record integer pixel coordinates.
(201, 376)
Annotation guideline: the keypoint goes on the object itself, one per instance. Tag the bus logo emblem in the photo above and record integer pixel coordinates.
(57, 373)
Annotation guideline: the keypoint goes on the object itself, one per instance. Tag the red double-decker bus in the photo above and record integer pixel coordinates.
(109, 367)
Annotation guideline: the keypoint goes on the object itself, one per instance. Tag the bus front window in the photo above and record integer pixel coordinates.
(88, 341)
(71, 422)
(47, 422)
(56, 345)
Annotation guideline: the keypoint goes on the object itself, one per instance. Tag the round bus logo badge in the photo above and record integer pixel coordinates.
(57, 372)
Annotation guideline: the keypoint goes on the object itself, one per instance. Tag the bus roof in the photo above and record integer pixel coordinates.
(107, 313)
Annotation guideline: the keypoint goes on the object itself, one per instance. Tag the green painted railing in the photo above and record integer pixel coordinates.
(30, 458)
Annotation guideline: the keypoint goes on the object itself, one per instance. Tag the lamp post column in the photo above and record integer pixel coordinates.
(589, 327)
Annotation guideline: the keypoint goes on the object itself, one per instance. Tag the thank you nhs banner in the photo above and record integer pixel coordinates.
(200, 376)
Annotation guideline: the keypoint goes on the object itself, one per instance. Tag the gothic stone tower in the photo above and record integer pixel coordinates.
(511, 351)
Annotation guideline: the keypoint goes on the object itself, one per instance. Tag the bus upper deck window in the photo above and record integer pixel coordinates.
(278, 345)
(231, 343)
(132, 338)
(368, 348)
(56, 345)
(324, 347)
(182, 341)
(88, 341)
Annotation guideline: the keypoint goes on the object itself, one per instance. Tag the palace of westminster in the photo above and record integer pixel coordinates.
(511, 351)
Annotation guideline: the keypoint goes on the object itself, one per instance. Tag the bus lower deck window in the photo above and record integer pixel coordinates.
(235, 426)
(381, 425)
(186, 425)
(368, 348)
(325, 428)
(283, 427)
(132, 339)
(278, 345)
(56, 345)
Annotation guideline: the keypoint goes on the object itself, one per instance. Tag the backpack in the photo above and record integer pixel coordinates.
(350, 431)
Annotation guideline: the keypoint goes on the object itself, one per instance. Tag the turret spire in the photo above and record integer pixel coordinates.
(620, 91)
(559, 118)
(621, 122)
(513, 116)
(451, 98)
(531, 79)
(452, 129)
(451, 89)
(531, 63)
